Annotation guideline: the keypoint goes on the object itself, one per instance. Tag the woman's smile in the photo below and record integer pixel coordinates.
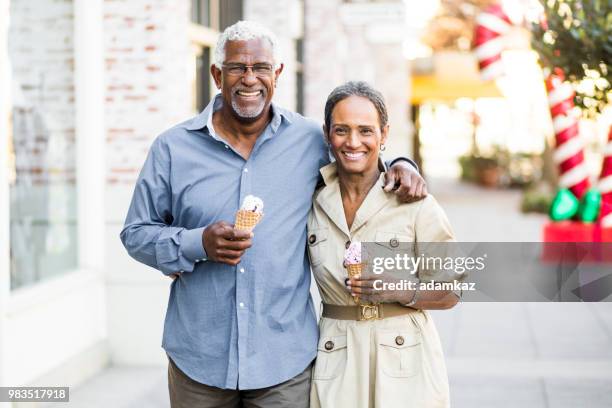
(354, 156)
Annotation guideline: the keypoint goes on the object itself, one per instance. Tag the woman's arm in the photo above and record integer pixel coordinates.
(433, 237)
(371, 289)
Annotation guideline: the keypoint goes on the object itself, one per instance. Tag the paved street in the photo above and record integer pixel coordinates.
(534, 355)
(552, 355)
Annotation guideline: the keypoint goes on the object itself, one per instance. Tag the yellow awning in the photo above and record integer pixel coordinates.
(429, 87)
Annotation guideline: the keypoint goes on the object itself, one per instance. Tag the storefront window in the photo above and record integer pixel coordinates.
(201, 12)
(43, 229)
(202, 77)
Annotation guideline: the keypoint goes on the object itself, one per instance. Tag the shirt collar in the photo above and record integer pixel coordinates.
(330, 200)
(329, 173)
(204, 119)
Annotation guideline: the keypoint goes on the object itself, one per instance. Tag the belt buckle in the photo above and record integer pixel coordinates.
(368, 312)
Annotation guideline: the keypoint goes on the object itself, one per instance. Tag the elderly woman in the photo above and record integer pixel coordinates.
(382, 354)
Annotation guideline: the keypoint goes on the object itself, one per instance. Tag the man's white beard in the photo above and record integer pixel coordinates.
(248, 113)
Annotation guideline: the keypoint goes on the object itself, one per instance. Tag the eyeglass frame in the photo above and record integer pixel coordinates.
(244, 68)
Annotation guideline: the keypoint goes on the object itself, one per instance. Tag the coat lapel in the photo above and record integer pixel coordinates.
(374, 202)
(330, 200)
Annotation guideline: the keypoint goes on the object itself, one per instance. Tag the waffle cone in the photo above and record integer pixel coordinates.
(354, 269)
(247, 220)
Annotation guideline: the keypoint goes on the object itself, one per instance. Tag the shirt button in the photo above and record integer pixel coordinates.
(246, 170)
(226, 146)
(241, 270)
(399, 340)
(312, 238)
(394, 243)
(329, 345)
(241, 304)
(347, 245)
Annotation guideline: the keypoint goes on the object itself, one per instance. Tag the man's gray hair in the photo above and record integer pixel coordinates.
(244, 31)
(356, 88)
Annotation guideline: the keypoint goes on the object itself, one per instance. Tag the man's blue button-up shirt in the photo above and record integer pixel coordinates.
(236, 327)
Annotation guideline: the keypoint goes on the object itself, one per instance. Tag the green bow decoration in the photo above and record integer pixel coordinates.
(589, 206)
(564, 206)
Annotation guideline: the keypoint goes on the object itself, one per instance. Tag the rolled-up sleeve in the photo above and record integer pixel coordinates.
(148, 234)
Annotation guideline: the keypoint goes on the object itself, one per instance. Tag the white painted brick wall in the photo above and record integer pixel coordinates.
(148, 69)
(148, 74)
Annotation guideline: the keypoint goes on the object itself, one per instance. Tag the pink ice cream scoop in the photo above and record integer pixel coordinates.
(352, 255)
(352, 262)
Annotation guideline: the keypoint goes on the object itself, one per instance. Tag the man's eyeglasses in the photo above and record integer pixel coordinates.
(260, 69)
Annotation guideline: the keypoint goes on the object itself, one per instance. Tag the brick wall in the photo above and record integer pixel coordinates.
(148, 74)
(42, 64)
(336, 52)
(284, 19)
(149, 71)
(325, 47)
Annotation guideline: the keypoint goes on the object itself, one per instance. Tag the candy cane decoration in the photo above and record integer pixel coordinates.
(491, 25)
(569, 154)
(605, 185)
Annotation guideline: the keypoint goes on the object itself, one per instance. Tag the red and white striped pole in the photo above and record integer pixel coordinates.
(605, 185)
(491, 25)
(569, 152)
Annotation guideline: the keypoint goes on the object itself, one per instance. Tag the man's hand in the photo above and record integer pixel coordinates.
(406, 182)
(225, 244)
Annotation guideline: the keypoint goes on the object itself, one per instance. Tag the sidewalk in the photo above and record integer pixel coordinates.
(549, 355)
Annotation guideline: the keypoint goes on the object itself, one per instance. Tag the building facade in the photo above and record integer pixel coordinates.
(85, 87)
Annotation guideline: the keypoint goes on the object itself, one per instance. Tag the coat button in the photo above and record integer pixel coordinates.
(329, 345)
(394, 243)
(399, 340)
(347, 245)
(312, 238)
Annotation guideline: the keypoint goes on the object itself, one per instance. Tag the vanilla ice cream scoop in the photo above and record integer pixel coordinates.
(252, 203)
(249, 214)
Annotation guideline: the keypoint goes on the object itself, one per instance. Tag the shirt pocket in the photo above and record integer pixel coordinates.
(399, 353)
(331, 357)
(394, 241)
(317, 244)
(388, 245)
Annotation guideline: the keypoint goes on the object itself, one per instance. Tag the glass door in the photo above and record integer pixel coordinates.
(41, 145)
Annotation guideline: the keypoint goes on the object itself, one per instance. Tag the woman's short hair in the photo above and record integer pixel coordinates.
(356, 88)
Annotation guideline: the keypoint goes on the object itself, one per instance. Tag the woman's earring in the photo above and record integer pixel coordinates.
(382, 147)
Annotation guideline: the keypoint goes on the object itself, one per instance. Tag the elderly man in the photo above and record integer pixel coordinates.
(240, 328)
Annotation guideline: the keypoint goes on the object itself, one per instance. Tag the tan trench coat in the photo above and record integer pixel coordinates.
(366, 368)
